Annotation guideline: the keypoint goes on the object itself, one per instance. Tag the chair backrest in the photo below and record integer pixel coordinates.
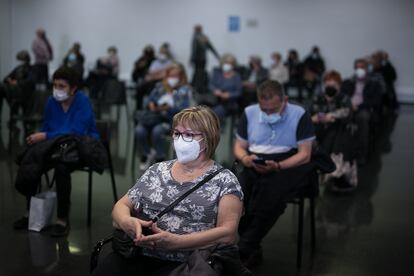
(40, 99)
(104, 129)
(113, 92)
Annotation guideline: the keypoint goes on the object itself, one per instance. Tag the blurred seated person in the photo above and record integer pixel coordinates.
(314, 67)
(278, 71)
(365, 95)
(168, 97)
(225, 85)
(75, 59)
(107, 67)
(295, 68)
(18, 85)
(331, 114)
(389, 75)
(169, 52)
(255, 75)
(374, 67)
(155, 73)
(208, 217)
(274, 145)
(142, 64)
(68, 111)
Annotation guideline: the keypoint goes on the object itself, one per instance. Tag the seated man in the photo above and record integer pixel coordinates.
(365, 94)
(274, 144)
(18, 85)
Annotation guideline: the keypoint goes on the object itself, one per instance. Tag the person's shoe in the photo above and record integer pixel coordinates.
(59, 230)
(341, 185)
(147, 160)
(21, 223)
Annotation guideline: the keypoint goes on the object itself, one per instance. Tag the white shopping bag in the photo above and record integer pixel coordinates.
(42, 207)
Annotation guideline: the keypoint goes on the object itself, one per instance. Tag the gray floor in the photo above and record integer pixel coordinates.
(368, 232)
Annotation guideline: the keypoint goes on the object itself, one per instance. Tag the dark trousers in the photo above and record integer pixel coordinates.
(63, 189)
(41, 73)
(266, 197)
(114, 264)
(362, 119)
(199, 81)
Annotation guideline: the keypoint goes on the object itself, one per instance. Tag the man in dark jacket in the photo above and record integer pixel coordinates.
(389, 74)
(18, 84)
(199, 46)
(314, 67)
(365, 95)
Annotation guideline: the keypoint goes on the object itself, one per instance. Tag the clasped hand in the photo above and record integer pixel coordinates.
(159, 239)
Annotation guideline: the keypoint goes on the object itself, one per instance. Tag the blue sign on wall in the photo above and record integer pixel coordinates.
(234, 24)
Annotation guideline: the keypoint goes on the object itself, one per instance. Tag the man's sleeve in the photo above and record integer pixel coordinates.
(305, 131)
(242, 128)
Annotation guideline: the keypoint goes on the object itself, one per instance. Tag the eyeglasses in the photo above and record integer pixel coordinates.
(187, 136)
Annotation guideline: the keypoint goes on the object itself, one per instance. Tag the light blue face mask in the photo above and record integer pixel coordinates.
(272, 118)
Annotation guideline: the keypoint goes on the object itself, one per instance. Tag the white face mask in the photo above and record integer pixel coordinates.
(60, 95)
(227, 67)
(360, 73)
(162, 57)
(172, 82)
(186, 151)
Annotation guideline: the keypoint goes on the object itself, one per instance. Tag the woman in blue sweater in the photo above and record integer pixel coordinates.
(68, 111)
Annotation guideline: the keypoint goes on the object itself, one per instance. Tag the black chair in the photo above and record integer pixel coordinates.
(310, 191)
(113, 92)
(104, 131)
(33, 103)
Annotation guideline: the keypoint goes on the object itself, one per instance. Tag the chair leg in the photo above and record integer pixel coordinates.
(300, 234)
(134, 152)
(89, 199)
(111, 171)
(312, 221)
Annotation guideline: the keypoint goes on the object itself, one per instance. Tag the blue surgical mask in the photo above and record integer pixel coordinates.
(271, 118)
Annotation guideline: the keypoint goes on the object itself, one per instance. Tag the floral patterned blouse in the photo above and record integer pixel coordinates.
(156, 189)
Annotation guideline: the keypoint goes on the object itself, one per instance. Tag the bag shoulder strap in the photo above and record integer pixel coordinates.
(178, 200)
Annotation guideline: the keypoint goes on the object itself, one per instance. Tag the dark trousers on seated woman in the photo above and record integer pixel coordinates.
(63, 189)
(114, 264)
(266, 197)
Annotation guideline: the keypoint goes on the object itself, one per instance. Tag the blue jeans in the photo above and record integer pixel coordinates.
(156, 135)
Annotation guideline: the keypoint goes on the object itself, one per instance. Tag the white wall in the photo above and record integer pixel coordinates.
(344, 29)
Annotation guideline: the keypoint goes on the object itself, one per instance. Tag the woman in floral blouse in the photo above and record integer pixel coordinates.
(207, 217)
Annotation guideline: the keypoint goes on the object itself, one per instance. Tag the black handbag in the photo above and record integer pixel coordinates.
(66, 151)
(149, 118)
(123, 244)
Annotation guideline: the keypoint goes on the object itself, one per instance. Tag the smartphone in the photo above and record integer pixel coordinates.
(259, 161)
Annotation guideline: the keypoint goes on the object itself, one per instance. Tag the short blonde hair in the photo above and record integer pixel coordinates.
(201, 118)
(229, 58)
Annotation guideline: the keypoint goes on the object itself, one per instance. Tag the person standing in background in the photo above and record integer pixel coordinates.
(199, 46)
(43, 53)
